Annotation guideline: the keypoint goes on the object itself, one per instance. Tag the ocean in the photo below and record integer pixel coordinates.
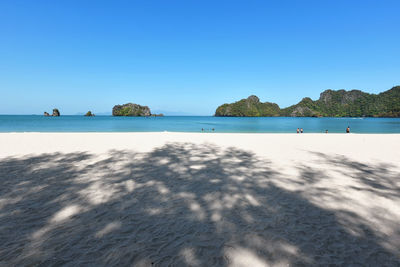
(66, 123)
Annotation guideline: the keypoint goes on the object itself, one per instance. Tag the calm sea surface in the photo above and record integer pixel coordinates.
(36, 123)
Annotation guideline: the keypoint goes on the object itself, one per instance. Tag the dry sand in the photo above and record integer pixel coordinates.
(181, 199)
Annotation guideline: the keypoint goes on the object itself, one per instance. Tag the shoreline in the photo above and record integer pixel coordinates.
(83, 115)
(200, 133)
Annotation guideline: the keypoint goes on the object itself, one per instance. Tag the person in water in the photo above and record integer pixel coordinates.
(326, 131)
(348, 129)
(298, 130)
(301, 130)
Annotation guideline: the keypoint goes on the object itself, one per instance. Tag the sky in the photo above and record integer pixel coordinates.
(188, 57)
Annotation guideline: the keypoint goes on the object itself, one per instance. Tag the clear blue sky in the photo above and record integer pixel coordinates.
(190, 56)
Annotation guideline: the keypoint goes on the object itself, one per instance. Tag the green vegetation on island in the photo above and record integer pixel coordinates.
(249, 107)
(340, 103)
(131, 109)
(89, 114)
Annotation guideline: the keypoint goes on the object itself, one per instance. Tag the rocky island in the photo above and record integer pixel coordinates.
(132, 110)
(340, 103)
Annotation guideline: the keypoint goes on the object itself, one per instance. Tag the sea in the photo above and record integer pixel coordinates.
(206, 124)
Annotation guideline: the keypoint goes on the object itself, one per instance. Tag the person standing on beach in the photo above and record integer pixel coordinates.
(348, 129)
(301, 130)
(298, 130)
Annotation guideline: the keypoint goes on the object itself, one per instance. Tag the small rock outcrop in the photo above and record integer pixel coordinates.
(89, 114)
(131, 109)
(56, 113)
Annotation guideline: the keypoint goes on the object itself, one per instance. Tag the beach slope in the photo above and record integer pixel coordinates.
(157, 199)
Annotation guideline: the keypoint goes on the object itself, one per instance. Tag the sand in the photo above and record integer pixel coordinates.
(182, 199)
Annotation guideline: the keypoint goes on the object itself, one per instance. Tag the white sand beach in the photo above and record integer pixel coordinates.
(199, 199)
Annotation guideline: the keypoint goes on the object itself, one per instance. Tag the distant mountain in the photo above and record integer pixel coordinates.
(103, 113)
(173, 113)
(340, 103)
(97, 113)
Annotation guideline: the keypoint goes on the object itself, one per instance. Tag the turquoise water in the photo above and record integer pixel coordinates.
(36, 123)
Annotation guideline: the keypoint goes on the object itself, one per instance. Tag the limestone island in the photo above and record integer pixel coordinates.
(340, 103)
(133, 110)
(56, 113)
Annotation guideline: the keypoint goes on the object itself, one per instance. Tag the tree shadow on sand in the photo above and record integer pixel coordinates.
(180, 204)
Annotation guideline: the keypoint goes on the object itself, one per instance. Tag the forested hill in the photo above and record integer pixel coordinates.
(340, 103)
(249, 107)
